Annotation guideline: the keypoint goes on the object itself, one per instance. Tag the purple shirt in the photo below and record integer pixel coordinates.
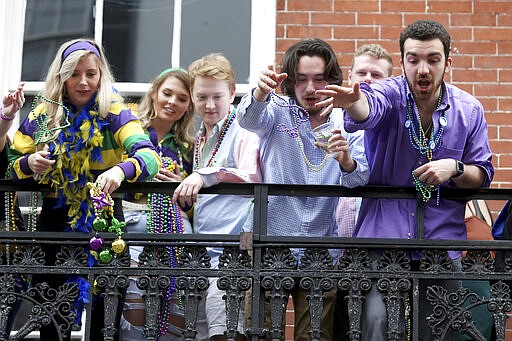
(392, 159)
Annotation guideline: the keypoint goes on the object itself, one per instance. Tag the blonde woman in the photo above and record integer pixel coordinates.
(78, 134)
(166, 113)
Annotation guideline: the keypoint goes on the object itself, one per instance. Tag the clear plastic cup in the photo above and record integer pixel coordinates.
(322, 134)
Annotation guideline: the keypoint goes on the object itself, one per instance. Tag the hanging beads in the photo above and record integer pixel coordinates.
(9, 198)
(222, 133)
(32, 217)
(103, 206)
(426, 190)
(293, 131)
(295, 110)
(45, 134)
(425, 146)
(417, 136)
(313, 167)
(165, 217)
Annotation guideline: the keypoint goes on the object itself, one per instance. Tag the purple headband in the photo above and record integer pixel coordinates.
(80, 45)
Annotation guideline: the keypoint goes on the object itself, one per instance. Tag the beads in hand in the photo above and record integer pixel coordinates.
(104, 210)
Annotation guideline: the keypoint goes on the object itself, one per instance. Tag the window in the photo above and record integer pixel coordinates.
(142, 37)
(49, 23)
(214, 28)
(137, 36)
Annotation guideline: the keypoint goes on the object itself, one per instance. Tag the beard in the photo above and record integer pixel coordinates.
(420, 94)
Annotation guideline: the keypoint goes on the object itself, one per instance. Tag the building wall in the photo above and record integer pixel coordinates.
(481, 32)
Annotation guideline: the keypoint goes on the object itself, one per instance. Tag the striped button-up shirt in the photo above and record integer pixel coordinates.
(283, 161)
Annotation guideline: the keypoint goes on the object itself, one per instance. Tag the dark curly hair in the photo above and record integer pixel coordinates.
(426, 30)
(310, 48)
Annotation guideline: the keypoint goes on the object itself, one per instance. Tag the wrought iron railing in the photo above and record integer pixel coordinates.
(264, 266)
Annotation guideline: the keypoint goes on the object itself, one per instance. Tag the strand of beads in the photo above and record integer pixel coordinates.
(9, 201)
(423, 145)
(165, 217)
(293, 131)
(103, 206)
(313, 167)
(222, 133)
(45, 134)
(417, 136)
(32, 218)
(426, 190)
(407, 318)
(295, 110)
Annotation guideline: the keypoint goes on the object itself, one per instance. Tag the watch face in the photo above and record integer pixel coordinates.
(460, 168)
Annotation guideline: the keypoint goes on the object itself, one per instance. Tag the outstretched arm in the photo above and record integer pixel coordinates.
(352, 100)
(12, 103)
(269, 80)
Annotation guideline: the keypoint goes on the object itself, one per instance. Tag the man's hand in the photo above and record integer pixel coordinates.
(186, 192)
(338, 144)
(435, 172)
(269, 80)
(350, 99)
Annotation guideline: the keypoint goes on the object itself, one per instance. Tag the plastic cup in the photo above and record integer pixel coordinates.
(322, 134)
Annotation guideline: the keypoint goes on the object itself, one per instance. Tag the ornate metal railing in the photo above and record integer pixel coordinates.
(263, 266)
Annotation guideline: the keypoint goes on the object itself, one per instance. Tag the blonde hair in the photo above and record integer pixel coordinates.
(146, 109)
(61, 70)
(376, 51)
(213, 65)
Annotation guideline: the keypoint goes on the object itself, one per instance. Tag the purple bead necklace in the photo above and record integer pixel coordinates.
(165, 217)
(296, 111)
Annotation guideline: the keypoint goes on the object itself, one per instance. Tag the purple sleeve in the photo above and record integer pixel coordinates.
(24, 165)
(128, 169)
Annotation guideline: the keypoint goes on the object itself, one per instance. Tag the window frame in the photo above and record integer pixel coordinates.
(262, 47)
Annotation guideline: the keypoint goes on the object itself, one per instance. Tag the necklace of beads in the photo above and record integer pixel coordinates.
(9, 219)
(295, 110)
(417, 135)
(313, 167)
(103, 206)
(425, 146)
(222, 133)
(45, 134)
(293, 131)
(165, 217)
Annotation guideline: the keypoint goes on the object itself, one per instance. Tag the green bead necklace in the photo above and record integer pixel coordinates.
(45, 134)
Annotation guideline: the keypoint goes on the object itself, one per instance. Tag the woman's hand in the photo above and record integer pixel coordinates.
(14, 101)
(39, 163)
(167, 175)
(111, 179)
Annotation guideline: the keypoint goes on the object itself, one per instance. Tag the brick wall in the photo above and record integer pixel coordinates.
(481, 33)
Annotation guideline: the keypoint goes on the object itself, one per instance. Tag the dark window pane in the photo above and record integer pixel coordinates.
(217, 26)
(49, 23)
(137, 36)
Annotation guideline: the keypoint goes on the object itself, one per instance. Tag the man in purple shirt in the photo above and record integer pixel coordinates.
(419, 131)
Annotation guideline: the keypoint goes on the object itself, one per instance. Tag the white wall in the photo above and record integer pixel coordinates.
(12, 25)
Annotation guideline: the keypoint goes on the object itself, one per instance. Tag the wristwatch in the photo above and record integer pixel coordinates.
(460, 169)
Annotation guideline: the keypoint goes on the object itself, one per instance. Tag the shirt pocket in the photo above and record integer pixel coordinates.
(444, 152)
